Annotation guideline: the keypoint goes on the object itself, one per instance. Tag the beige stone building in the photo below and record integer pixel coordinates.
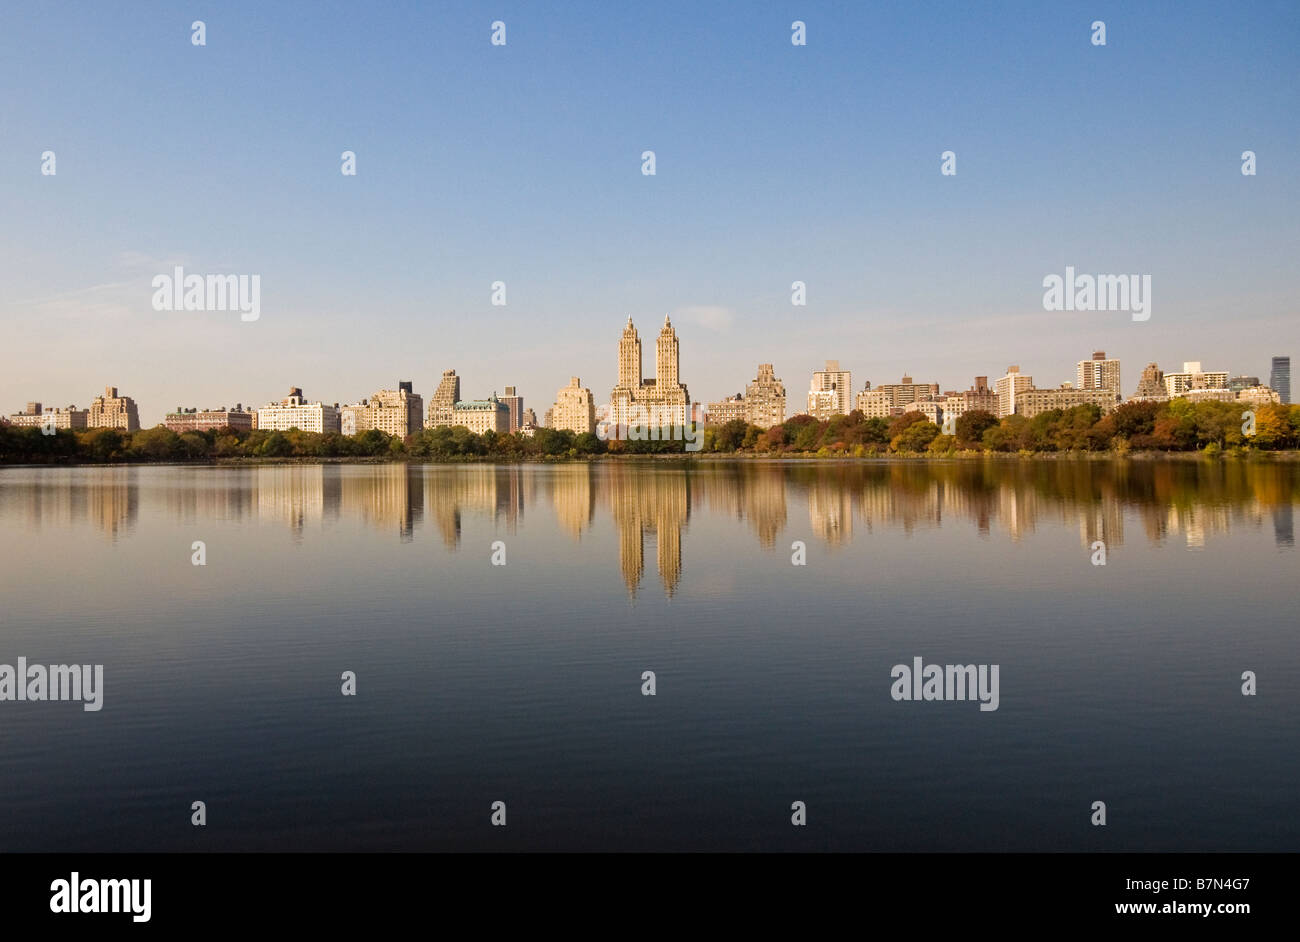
(905, 392)
(1031, 402)
(398, 412)
(293, 411)
(765, 398)
(657, 402)
(979, 398)
(1258, 395)
(34, 417)
(482, 415)
(876, 404)
(830, 392)
(728, 410)
(574, 409)
(443, 404)
(930, 408)
(113, 411)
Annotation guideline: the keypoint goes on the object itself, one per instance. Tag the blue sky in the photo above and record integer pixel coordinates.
(521, 164)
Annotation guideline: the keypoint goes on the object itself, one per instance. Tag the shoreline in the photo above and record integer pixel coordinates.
(1285, 455)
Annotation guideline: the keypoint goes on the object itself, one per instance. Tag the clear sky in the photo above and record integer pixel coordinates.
(522, 163)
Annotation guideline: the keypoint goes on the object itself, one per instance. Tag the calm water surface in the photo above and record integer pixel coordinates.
(522, 682)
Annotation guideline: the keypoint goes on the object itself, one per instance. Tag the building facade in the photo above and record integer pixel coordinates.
(1279, 378)
(1099, 373)
(906, 392)
(831, 391)
(978, 398)
(657, 402)
(765, 398)
(482, 415)
(398, 412)
(1008, 388)
(1032, 402)
(33, 416)
(113, 411)
(203, 420)
(1193, 377)
(574, 409)
(1151, 386)
(728, 410)
(930, 408)
(1258, 395)
(515, 403)
(442, 406)
(293, 411)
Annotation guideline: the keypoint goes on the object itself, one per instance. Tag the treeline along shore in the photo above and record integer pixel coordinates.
(1206, 428)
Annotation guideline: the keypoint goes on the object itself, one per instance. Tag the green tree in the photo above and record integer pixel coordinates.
(971, 427)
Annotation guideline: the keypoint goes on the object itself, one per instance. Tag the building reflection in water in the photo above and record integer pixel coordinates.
(1186, 502)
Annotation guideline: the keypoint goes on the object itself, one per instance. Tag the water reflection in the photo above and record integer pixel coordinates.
(1183, 502)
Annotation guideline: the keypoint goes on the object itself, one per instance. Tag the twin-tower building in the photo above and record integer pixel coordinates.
(661, 401)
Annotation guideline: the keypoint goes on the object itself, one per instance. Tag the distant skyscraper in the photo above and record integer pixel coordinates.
(830, 392)
(1099, 373)
(657, 402)
(515, 403)
(442, 406)
(1280, 378)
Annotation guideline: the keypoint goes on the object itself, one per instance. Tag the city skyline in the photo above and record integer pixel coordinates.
(480, 164)
(792, 392)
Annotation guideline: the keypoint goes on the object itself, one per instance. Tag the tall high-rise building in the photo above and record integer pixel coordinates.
(629, 358)
(442, 406)
(1151, 385)
(1008, 387)
(830, 392)
(1280, 378)
(574, 408)
(657, 402)
(515, 403)
(765, 398)
(1099, 373)
(113, 411)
